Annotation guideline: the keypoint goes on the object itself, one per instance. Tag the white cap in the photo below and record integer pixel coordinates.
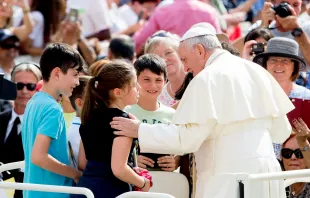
(198, 31)
(205, 25)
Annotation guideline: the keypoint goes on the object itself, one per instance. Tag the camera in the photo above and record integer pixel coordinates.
(282, 10)
(258, 48)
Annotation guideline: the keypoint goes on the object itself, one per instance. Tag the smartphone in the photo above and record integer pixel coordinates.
(140, 15)
(73, 15)
(258, 48)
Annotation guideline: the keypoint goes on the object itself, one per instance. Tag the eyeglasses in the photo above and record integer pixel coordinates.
(9, 46)
(287, 153)
(29, 86)
(273, 61)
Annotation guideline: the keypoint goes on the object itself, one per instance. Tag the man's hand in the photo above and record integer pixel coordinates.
(145, 161)
(268, 14)
(169, 163)
(126, 127)
(288, 23)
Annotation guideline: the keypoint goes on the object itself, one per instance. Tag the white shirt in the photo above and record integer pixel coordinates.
(94, 17)
(11, 122)
(128, 15)
(73, 136)
(37, 34)
(118, 24)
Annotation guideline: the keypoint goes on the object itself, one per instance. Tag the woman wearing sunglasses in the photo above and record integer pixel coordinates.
(293, 159)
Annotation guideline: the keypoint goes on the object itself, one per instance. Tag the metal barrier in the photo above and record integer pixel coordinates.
(39, 187)
(247, 179)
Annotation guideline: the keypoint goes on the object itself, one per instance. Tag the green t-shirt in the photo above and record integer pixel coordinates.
(163, 114)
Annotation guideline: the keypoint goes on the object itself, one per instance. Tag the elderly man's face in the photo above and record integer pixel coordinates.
(26, 83)
(191, 59)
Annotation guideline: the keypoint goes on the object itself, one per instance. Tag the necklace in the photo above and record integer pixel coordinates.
(295, 191)
(170, 89)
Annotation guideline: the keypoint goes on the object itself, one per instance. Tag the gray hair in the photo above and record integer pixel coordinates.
(209, 42)
(154, 42)
(29, 67)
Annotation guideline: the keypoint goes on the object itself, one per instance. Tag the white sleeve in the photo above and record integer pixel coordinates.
(173, 139)
(37, 34)
(99, 16)
(280, 129)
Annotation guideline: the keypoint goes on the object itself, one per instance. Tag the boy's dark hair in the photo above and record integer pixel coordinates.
(59, 55)
(122, 47)
(152, 62)
(78, 91)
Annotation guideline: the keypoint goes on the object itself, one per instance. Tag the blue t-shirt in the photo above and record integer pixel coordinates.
(43, 115)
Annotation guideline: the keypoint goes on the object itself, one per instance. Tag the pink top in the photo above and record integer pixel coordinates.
(177, 18)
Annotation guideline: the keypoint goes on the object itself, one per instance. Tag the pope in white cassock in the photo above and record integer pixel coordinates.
(229, 115)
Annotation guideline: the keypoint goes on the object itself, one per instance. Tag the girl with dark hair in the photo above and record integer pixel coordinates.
(110, 158)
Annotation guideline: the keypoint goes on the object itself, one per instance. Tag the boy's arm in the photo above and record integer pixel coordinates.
(41, 158)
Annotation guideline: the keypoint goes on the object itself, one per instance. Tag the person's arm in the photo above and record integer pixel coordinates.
(27, 47)
(82, 161)
(41, 158)
(120, 152)
(289, 24)
(244, 7)
(302, 135)
(173, 139)
(22, 32)
(87, 51)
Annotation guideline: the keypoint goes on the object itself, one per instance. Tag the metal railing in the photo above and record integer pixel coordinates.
(248, 179)
(39, 187)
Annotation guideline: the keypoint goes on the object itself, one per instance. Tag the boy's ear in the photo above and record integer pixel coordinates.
(55, 73)
(79, 103)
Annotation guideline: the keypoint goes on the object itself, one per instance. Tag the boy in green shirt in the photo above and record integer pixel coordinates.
(152, 75)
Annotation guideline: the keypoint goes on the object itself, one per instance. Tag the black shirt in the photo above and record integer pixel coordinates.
(97, 135)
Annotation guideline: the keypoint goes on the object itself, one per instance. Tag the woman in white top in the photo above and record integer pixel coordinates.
(166, 45)
(283, 63)
(46, 16)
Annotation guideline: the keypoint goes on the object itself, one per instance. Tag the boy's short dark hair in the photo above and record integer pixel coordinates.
(122, 47)
(152, 62)
(78, 91)
(59, 55)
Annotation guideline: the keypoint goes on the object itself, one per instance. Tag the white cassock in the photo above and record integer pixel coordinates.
(228, 117)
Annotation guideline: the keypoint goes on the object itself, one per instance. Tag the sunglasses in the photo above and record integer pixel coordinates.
(29, 86)
(9, 46)
(287, 153)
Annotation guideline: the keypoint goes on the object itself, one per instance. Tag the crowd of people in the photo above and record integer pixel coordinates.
(108, 90)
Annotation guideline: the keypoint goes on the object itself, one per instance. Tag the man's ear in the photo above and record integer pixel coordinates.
(200, 51)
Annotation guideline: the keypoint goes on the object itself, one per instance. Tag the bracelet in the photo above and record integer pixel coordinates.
(26, 10)
(144, 183)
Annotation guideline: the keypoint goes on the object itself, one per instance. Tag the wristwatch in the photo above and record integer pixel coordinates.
(297, 32)
(306, 148)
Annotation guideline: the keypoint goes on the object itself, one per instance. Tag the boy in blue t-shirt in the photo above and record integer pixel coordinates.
(43, 130)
